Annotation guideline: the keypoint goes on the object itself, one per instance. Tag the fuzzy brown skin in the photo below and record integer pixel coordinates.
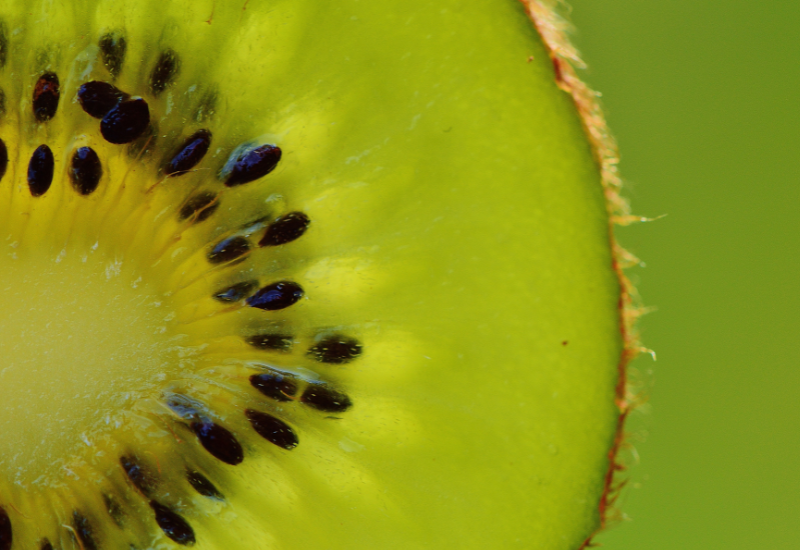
(553, 30)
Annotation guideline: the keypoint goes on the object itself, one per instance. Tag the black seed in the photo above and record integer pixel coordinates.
(202, 485)
(3, 158)
(114, 510)
(173, 525)
(276, 296)
(275, 386)
(219, 442)
(139, 476)
(45, 545)
(45, 97)
(276, 342)
(336, 349)
(113, 47)
(125, 122)
(164, 72)
(190, 153)
(273, 430)
(325, 399)
(84, 531)
(6, 536)
(236, 292)
(228, 250)
(3, 55)
(253, 164)
(85, 171)
(40, 170)
(199, 207)
(97, 97)
(285, 229)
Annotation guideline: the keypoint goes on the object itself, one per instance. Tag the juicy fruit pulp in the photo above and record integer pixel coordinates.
(299, 275)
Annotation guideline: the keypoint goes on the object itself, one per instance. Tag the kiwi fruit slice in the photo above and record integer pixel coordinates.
(298, 274)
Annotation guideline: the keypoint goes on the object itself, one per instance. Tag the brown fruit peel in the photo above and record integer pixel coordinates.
(553, 29)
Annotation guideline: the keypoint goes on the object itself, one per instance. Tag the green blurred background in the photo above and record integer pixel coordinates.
(704, 98)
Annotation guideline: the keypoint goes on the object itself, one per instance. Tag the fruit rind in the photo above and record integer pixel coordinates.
(554, 31)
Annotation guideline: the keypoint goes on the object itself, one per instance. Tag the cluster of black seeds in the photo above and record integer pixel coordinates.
(122, 118)
(282, 387)
(332, 349)
(125, 118)
(146, 481)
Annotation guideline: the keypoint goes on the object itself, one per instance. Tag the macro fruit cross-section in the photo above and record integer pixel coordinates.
(293, 274)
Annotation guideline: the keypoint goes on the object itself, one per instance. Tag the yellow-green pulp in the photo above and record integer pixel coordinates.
(458, 232)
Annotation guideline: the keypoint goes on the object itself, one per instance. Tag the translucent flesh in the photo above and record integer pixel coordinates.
(459, 231)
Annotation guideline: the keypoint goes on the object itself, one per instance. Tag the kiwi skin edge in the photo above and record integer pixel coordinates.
(320, 367)
(565, 58)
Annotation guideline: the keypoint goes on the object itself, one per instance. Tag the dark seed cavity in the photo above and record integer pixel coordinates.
(40, 170)
(114, 510)
(3, 59)
(45, 97)
(273, 430)
(285, 229)
(85, 171)
(125, 122)
(3, 158)
(113, 47)
(97, 97)
(253, 164)
(190, 153)
(236, 292)
(141, 478)
(206, 107)
(276, 296)
(219, 442)
(336, 349)
(200, 207)
(84, 531)
(274, 342)
(45, 545)
(165, 72)
(202, 485)
(275, 386)
(173, 525)
(228, 250)
(325, 399)
(6, 535)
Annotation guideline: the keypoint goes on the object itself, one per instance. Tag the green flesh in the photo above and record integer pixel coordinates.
(458, 231)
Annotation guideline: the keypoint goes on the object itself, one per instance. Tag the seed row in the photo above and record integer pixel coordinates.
(124, 118)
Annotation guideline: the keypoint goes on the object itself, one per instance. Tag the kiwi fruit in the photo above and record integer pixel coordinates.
(299, 274)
